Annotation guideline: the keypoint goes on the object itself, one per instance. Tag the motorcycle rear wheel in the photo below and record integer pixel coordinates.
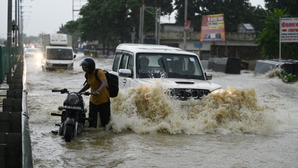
(68, 133)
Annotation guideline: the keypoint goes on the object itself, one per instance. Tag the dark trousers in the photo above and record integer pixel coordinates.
(104, 112)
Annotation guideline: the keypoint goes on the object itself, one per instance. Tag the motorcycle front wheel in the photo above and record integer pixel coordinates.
(68, 133)
(61, 129)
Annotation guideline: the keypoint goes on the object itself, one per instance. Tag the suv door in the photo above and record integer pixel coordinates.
(126, 62)
(117, 58)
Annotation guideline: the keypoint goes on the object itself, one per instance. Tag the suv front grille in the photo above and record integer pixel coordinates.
(60, 65)
(185, 94)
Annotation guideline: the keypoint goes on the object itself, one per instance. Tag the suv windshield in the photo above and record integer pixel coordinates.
(60, 54)
(168, 66)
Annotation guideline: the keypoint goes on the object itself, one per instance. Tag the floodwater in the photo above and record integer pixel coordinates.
(252, 122)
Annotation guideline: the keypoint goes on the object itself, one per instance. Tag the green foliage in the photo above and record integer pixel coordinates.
(290, 5)
(268, 40)
(286, 77)
(235, 12)
(112, 21)
(71, 28)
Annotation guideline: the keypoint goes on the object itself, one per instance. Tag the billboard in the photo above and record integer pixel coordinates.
(213, 28)
(288, 30)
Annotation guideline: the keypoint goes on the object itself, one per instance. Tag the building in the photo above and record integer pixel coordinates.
(241, 45)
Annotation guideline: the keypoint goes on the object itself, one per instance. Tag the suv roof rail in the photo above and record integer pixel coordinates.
(146, 46)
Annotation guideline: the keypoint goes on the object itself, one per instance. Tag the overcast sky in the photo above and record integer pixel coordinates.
(46, 16)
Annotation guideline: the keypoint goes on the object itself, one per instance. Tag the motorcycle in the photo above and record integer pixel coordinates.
(73, 115)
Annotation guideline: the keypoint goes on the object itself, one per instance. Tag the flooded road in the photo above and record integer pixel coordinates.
(252, 122)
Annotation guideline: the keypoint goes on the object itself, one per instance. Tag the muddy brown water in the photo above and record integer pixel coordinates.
(252, 122)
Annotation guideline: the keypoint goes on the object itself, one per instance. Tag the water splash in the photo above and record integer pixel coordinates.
(146, 109)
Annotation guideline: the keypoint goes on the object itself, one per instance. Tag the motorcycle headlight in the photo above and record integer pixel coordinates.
(73, 99)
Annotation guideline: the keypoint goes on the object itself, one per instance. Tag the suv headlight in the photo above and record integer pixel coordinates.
(73, 99)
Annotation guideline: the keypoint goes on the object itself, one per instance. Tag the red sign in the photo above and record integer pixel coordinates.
(187, 25)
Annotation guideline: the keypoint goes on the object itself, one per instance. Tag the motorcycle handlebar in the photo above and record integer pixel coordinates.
(60, 90)
(66, 91)
(87, 93)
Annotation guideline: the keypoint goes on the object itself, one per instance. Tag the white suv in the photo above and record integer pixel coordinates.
(180, 72)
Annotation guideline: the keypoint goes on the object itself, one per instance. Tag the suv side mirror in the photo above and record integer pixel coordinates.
(208, 75)
(124, 72)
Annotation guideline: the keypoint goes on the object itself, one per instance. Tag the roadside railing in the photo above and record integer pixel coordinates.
(15, 143)
(7, 60)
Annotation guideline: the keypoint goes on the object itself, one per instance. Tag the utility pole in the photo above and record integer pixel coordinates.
(141, 27)
(157, 21)
(15, 41)
(9, 26)
(19, 27)
(76, 7)
(185, 18)
(156, 25)
(21, 39)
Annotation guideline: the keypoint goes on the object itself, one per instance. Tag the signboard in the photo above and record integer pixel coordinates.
(187, 25)
(198, 45)
(213, 28)
(288, 30)
(58, 39)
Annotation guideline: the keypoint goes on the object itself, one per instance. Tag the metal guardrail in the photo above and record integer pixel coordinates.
(7, 60)
(27, 161)
(4, 62)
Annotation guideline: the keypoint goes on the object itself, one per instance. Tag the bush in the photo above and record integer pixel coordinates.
(286, 77)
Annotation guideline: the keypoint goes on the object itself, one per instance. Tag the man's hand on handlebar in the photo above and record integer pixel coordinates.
(96, 93)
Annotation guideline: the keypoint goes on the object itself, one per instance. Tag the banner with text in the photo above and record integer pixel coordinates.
(288, 30)
(213, 28)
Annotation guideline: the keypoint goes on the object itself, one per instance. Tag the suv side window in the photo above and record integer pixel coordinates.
(116, 61)
(127, 62)
(123, 62)
(130, 63)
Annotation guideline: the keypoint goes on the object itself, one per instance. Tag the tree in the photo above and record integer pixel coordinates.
(235, 12)
(112, 21)
(194, 13)
(291, 6)
(71, 28)
(255, 17)
(268, 40)
(88, 24)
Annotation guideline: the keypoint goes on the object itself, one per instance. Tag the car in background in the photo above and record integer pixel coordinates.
(181, 72)
(30, 52)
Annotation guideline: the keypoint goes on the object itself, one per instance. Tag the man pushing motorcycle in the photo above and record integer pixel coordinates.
(100, 100)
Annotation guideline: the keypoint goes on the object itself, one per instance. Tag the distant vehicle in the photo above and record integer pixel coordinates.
(30, 52)
(181, 72)
(57, 52)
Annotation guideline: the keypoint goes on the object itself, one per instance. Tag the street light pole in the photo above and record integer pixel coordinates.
(9, 26)
(16, 22)
(19, 23)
